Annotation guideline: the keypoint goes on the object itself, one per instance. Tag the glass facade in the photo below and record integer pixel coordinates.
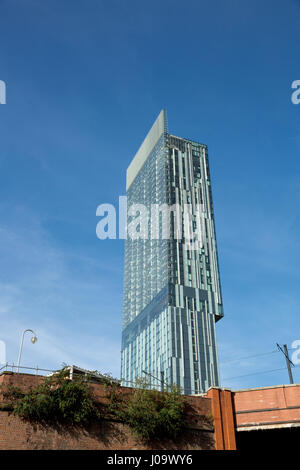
(172, 295)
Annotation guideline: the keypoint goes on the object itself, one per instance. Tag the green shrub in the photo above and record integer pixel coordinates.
(58, 400)
(152, 414)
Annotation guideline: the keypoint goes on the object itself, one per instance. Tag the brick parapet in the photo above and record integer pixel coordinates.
(18, 434)
(267, 406)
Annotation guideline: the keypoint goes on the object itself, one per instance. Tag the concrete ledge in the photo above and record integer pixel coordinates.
(258, 427)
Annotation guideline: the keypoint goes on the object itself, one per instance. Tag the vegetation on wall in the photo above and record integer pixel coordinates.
(153, 414)
(56, 400)
(59, 400)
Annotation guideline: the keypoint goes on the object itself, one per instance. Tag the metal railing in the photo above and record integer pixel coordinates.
(14, 368)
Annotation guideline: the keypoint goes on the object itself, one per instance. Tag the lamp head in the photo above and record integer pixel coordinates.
(34, 339)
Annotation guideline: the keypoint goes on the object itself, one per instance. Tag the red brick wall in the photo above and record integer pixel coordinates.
(20, 380)
(269, 406)
(17, 434)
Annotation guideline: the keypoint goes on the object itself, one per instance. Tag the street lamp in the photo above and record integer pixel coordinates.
(33, 340)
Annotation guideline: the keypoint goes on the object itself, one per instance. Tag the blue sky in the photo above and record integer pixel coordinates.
(85, 80)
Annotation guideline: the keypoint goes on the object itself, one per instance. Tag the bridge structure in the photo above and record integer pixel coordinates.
(257, 416)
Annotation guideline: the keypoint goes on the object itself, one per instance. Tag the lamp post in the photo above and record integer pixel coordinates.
(33, 340)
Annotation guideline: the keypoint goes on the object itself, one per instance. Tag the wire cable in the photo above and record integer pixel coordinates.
(253, 355)
(249, 357)
(256, 373)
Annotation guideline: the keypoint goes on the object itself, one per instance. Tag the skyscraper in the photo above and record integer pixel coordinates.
(172, 295)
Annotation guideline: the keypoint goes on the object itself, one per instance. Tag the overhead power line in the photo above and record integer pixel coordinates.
(256, 373)
(249, 357)
(252, 356)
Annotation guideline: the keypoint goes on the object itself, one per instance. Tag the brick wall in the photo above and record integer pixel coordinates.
(267, 407)
(17, 434)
